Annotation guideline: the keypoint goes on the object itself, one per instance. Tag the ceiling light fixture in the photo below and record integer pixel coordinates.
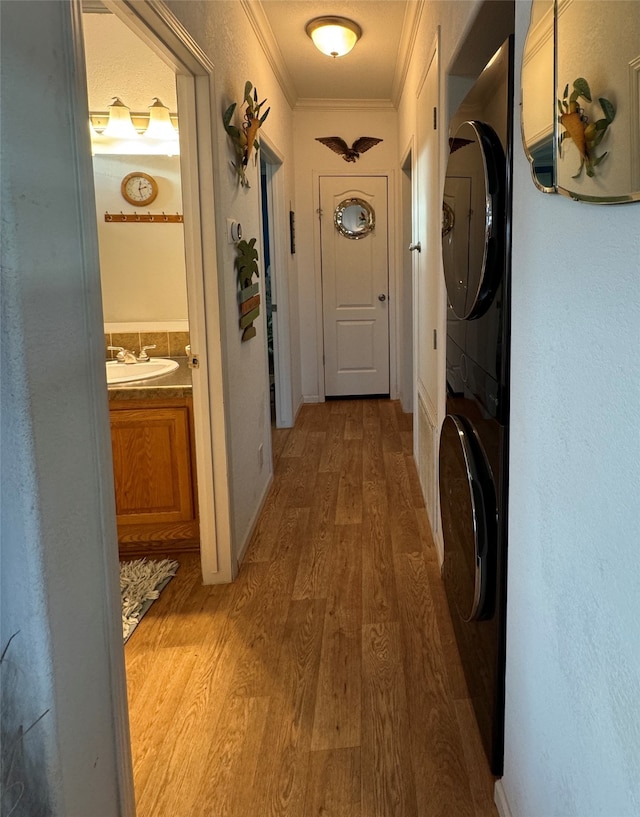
(334, 36)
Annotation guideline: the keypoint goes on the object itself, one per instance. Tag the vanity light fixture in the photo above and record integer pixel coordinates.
(160, 124)
(121, 131)
(120, 125)
(334, 36)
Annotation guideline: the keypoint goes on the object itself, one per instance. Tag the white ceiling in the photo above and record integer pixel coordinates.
(372, 71)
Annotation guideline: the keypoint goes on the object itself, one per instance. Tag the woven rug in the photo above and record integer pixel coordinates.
(141, 583)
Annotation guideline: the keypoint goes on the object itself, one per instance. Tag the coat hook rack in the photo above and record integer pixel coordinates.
(144, 218)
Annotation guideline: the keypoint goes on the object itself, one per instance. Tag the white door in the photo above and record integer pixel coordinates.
(355, 285)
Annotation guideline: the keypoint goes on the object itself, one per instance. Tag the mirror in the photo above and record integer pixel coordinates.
(474, 207)
(538, 82)
(581, 99)
(354, 218)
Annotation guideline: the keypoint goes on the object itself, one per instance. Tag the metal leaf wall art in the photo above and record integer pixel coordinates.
(244, 138)
(585, 135)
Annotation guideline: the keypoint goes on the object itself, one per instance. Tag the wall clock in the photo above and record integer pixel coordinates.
(139, 188)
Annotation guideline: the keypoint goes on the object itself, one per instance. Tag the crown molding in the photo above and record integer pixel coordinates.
(408, 37)
(264, 34)
(379, 105)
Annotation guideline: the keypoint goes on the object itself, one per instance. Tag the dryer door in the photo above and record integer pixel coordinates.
(473, 237)
(469, 520)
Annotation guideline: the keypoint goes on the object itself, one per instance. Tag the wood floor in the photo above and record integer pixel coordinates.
(325, 681)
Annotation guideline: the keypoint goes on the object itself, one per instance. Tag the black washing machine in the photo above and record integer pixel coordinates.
(474, 437)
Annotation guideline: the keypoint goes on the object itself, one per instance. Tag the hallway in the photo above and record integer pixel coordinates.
(325, 680)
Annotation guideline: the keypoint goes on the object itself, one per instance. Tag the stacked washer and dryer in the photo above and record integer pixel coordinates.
(474, 438)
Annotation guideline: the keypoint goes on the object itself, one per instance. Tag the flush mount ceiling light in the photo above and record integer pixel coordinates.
(334, 36)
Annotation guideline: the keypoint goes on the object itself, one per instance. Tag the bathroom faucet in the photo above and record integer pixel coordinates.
(143, 356)
(124, 355)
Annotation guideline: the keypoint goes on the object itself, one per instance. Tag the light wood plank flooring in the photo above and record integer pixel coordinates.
(325, 681)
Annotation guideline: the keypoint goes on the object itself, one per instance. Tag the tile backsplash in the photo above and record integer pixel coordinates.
(168, 344)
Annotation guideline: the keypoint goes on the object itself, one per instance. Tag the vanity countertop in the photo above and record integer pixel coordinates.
(174, 384)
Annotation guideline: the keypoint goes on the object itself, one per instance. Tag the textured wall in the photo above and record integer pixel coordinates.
(573, 661)
(120, 64)
(59, 554)
(223, 31)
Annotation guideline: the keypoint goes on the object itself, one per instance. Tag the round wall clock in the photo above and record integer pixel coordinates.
(139, 188)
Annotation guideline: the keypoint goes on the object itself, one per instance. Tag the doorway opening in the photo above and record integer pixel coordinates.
(275, 253)
(268, 296)
(192, 70)
(406, 328)
(144, 291)
(192, 74)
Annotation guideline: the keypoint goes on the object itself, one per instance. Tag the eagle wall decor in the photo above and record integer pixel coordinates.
(349, 154)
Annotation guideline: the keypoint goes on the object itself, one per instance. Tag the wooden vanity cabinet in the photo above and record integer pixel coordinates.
(154, 474)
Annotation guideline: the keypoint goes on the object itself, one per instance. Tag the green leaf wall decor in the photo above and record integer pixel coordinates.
(246, 265)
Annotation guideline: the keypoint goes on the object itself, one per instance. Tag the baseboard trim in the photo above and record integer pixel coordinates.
(500, 799)
(254, 523)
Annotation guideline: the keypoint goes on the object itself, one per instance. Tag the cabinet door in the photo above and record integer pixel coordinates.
(152, 465)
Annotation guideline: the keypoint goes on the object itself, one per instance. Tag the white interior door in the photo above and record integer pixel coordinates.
(355, 290)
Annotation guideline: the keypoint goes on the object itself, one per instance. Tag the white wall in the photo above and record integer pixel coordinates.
(573, 654)
(142, 266)
(59, 556)
(313, 158)
(227, 37)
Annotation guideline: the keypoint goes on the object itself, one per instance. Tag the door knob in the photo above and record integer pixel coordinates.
(416, 246)
(382, 297)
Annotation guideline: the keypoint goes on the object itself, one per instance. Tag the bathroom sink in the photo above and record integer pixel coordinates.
(127, 373)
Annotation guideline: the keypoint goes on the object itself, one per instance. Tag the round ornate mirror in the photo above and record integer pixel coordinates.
(473, 220)
(354, 218)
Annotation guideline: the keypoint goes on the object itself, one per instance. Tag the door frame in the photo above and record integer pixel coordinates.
(158, 28)
(278, 232)
(408, 229)
(392, 300)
